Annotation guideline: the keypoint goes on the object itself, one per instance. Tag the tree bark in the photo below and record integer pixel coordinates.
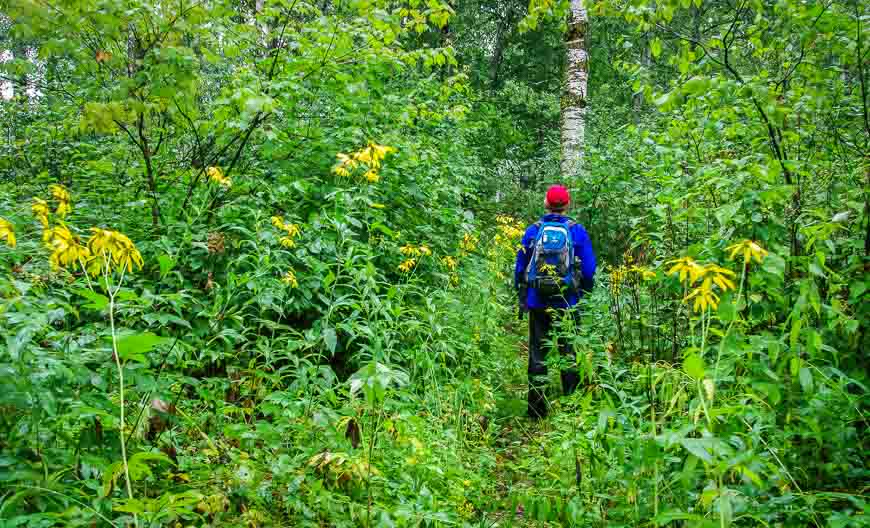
(574, 93)
(501, 38)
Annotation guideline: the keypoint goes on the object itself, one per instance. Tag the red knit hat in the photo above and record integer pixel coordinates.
(557, 197)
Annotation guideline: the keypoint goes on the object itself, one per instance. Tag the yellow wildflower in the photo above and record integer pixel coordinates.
(346, 160)
(749, 249)
(449, 262)
(684, 266)
(504, 219)
(547, 269)
(644, 273)
(365, 156)
(720, 276)
(369, 156)
(407, 265)
(289, 278)
(703, 296)
(40, 211)
(372, 176)
(7, 232)
(59, 193)
(292, 230)
(617, 277)
(410, 251)
(216, 175)
(65, 247)
(468, 242)
(100, 242)
(106, 244)
(345, 166)
(381, 151)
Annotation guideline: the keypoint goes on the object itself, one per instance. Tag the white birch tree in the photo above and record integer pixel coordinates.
(574, 92)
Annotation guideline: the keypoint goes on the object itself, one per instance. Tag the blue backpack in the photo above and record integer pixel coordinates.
(551, 267)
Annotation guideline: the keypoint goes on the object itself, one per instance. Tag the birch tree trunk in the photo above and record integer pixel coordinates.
(574, 94)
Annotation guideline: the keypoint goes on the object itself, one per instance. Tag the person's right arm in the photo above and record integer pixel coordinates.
(523, 255)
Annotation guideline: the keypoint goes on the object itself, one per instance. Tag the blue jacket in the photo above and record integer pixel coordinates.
(582, 248)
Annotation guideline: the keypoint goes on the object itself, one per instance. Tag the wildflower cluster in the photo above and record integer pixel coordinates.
(628, 274)
(419, 251)
(111, 247)
(40, 211)
(65, 247)
(369, 158)
(216, 175)
(291, 230)
(749, 249)
(468, 243)
(466, 510)
(61, 195)
(412, 253)
(289, 279)
(6, 232)
(509, 233)
(711, 276)
(104, 250)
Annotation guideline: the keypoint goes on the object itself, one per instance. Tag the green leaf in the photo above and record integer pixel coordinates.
(726, 510)
(383, 229)
(133, 347)
(725, 213)
(697, 447)
(696, 86)
(330, 339)
(774, 264)
(656, 47)
(98, 302)
(134, 506)
(806, 379)
(15, 345)
(110, 476)
(693, 364)
(794, 334)
(166, 263)
(794, 365)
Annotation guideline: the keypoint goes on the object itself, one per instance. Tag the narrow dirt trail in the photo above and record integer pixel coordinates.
(520, 443)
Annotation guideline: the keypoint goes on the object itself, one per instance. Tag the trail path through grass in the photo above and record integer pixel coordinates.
(523, 465)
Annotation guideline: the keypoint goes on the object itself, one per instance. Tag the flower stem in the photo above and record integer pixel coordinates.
(120, 379)
(730, 324)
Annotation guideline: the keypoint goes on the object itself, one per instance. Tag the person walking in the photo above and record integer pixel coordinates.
(555, 267)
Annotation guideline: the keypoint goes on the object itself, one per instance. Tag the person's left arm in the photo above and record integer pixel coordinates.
(588, 264)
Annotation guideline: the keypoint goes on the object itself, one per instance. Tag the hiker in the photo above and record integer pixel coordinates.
(555, 267)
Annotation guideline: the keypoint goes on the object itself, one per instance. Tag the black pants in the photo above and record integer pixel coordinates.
(540, 324)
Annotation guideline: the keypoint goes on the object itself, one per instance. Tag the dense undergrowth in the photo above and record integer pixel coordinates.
(255, 265)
